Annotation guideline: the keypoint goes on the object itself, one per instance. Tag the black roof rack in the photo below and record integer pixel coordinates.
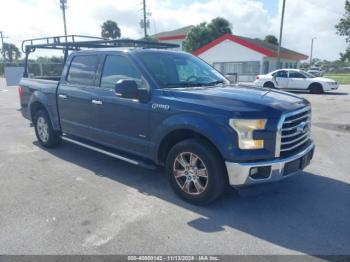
(77, 42)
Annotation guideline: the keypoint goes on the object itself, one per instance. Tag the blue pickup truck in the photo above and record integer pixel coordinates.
(151, 106)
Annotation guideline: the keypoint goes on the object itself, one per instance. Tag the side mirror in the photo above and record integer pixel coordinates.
(233, 78)
(127, 88)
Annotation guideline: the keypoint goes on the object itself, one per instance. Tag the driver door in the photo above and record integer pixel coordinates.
(116, 121)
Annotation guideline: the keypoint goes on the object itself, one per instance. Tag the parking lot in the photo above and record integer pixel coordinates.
(70, 200)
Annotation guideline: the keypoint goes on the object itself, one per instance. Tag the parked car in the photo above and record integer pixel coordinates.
(316, 73)
(296, 79)
(155, 107)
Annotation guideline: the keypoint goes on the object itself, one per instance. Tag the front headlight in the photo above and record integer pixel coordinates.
(245, 129)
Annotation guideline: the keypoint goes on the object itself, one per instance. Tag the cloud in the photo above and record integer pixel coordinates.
(304, 19)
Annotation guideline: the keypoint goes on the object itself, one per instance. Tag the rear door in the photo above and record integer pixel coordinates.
(281, 78)
(297, 80)
(119, 122)
(74, 95)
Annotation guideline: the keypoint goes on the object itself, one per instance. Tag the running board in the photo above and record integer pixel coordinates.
(105, 152)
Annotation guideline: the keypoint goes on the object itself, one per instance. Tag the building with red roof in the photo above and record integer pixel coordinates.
(238, 55)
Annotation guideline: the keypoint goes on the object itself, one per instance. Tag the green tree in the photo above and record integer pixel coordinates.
(10, 52)
(110, 30)
(271, 39)
(343, 29)
(204, 33)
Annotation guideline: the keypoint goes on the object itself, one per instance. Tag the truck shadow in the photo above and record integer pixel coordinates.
(306, 213)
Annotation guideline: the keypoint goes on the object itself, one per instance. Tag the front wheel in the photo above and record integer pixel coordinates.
(44, 131)
(196, 171)
(316, 88)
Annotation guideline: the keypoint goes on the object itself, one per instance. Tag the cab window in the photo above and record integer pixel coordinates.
(117, 67)
(82, 70)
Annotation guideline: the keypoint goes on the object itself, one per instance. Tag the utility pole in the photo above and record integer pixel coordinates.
(312, 47)
(281, 31)
(2, 41)
(144, 19)
(64, 7)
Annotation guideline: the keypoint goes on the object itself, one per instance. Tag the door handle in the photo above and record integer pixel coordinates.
(96, 102)
(62, 96)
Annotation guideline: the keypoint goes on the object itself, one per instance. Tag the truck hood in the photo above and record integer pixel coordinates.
(239, 99)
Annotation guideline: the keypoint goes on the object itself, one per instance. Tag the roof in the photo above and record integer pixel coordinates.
(179, 33)
(267, 49)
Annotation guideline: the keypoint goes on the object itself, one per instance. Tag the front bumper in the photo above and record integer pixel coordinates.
(239, 174)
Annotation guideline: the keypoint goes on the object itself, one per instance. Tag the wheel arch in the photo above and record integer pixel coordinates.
(179, 128)
(176, 136)
(315, 84)
(40, 101)
(268, 82)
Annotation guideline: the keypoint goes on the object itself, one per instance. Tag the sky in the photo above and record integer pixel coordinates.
(304, 19)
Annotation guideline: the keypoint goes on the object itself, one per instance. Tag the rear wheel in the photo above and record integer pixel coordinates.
(196, 171)
(269, 85)
(316, 88)
(44, 131)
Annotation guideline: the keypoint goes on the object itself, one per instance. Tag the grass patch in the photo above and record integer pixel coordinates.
(343, 79)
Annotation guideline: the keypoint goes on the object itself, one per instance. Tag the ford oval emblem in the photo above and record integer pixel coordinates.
(303, 127)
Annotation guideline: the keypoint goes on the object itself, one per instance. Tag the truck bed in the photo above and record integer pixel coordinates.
(32, 89)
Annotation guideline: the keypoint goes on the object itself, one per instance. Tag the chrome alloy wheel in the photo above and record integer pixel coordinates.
(190, 173)
(43, 129)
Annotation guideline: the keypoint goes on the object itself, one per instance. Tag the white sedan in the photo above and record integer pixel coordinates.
(295, 79)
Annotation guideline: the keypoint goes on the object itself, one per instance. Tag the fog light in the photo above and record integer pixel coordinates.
(260, 172)
(253, 171)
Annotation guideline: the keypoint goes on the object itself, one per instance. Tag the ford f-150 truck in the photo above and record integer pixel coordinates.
(151, 106)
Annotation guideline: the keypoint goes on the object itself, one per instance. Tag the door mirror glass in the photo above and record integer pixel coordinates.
(127, 88)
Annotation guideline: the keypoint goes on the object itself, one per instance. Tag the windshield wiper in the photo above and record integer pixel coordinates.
(217, 82)
(192, 84)
(188, 84)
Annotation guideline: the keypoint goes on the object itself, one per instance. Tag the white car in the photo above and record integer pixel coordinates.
(296, 79)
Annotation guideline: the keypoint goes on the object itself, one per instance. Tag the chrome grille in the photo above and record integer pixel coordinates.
(294, 131)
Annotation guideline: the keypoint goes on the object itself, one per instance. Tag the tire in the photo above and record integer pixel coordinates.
(46, 135)
(269, 85)
(208, 171)
(316, 88)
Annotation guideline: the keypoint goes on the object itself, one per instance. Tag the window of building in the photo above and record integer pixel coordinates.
(240, 68)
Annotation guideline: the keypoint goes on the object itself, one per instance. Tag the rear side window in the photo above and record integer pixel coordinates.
(281, 73)
(83, 70)
(118, 67)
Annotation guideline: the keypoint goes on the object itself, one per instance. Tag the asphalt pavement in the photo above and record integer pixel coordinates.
(70, 200)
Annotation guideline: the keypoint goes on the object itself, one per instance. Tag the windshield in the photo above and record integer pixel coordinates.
(173, 70)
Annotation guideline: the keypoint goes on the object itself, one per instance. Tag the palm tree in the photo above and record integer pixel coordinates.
(110, 30)
(10, 52)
